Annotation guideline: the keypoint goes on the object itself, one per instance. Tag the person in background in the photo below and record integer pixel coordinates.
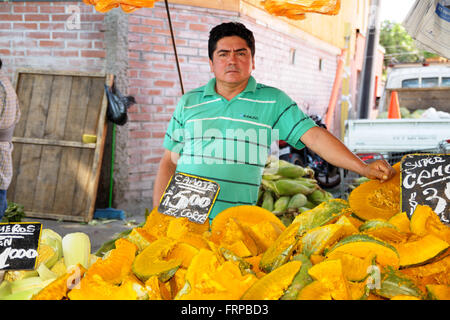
(234, 102)
(9, 116)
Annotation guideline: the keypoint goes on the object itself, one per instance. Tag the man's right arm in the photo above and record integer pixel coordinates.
(167, 166)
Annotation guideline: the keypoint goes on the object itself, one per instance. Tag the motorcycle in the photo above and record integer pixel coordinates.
(326, 174)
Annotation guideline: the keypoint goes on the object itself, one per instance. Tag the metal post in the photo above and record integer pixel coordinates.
(367, 82)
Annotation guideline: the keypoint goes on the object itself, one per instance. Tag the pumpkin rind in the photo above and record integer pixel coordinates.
(420, 251)
(361, 245)
(151, 261)
(272, 285)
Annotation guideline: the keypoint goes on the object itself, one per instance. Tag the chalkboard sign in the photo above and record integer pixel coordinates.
(19, 243)
(189, 196)
(425, 180)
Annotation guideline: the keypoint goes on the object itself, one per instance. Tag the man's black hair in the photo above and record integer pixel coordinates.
(228, 29)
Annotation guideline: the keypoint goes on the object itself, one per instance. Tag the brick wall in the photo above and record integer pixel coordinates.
(34, 35)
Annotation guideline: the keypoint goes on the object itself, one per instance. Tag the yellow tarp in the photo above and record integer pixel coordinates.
(126, 5)
(296, 9)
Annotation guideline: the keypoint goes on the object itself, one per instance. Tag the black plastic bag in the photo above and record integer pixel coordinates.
(118, 105)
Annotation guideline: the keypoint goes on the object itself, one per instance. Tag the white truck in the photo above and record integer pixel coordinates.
(391, 139)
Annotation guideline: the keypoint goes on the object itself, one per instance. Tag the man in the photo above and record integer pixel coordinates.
(9, 116)
(222, 131)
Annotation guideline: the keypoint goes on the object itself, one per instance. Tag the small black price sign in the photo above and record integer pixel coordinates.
(189, 196)
(19, 243)
(425, 180)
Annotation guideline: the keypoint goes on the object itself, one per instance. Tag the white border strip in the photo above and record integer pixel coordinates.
(231, 119)
(257, 101)
(200, 104)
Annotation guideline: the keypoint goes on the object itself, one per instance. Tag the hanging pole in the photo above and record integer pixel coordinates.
(367, 84)
(174, 46)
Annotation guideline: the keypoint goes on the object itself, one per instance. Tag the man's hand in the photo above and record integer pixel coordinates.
(335, 152)
(379, 169)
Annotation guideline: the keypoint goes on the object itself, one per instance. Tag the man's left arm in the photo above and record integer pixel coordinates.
(327, 146)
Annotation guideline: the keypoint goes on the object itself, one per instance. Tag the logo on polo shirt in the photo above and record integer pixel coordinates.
(248, 116)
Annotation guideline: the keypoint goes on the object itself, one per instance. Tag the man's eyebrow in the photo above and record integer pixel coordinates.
(237, 50)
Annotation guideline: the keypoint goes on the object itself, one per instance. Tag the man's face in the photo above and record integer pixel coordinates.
(232, 60)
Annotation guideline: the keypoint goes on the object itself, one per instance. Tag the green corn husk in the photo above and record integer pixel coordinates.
(297, 201)
(270, 185)
(319, 195)
(268, 201)
(289, 187)
(303, 209)
(310, 183)
(309, 204)
(280, 206)
(289, 170)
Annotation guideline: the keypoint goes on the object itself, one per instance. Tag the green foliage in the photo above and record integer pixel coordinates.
(399, 46)
(13, 213)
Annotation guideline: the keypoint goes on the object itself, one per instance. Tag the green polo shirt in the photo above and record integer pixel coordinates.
(229, 141)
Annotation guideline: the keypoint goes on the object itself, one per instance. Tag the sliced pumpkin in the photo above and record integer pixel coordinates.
(247, 215)
(317, 239)
(58, 289)
(401, 222)
(151, 261)
(273, 285)
(438, 292)
(326, 212)
(377, 200)
(264, 234)
(355, 268)
(425, 221)
(330, 272)
(93, 287)
(437, 272)
(153, 289)
(383, 230)
(394, 283)
(316, 290)
(140, 237)
(420, 251)
(157, 224)
(301, 279)
(184, 252)
(361, 245)
(206, 279)
(117, 264)
(281, 250)
(405, 297)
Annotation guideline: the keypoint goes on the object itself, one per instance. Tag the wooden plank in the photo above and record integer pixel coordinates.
(68, 168)
(98, 155)
(82, 199)
(24, 86)
(57, 112)
(80, 205)
(421, 98)
(55, 216)
(44, 194)
(31, 154)
(60, 143)
(60, 72)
